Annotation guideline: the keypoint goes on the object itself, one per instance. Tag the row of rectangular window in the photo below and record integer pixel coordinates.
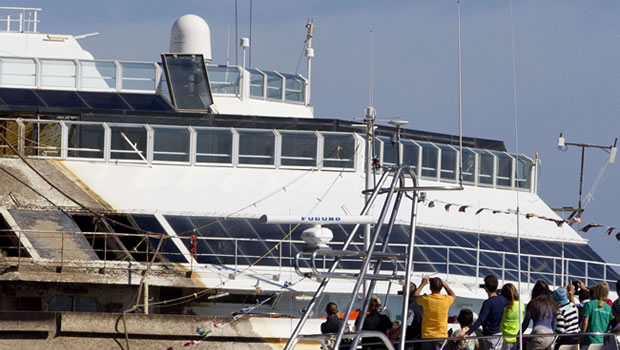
(264, 147)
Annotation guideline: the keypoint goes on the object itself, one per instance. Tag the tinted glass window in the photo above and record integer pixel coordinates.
(104, 100)
(20, 97)
(448, 163)
(485, 168)
(411, 154)
(86, 140)
(147, 102)
(338, 150)
(57, 98)
(430, 158)
(122, 140)
(171, 144)
(298, 148)
(256, 147)
(188, 81)
(213, 146)
(469, 166)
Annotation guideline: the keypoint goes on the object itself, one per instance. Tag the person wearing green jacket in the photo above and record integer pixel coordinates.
(511, 320)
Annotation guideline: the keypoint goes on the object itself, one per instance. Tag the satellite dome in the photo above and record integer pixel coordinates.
(190, 34)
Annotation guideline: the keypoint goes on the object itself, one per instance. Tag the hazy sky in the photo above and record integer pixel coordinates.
(567, 69)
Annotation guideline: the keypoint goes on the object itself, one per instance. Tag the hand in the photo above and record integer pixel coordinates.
(570, 288)
(425, 279)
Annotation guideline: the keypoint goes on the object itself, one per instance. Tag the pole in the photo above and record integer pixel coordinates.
(583, 151)
(370, 124)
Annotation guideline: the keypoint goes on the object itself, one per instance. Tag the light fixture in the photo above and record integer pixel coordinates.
(562, 142)
(612, 152)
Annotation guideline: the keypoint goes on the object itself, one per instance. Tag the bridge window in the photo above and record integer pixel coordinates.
(214, 145)
(389, 152)
(257, 83)
(411, 154)
(171, 144)
(430, 158)
(298, 148)
(224, 79)
(256, 147)
(294, 88)
(469, 165)
(448, 162)
(524, 172)
(187, 79)
(504, 170)
(486, 166)
(274, 85)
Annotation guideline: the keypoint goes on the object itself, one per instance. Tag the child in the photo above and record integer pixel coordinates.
(465, 319)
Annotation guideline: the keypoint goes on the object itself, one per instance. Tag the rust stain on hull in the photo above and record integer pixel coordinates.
(58, 164)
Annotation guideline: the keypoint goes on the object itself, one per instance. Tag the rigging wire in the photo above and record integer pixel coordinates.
(516, 123)
(590, 196)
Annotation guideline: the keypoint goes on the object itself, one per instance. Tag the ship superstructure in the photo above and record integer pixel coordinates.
(117, 170)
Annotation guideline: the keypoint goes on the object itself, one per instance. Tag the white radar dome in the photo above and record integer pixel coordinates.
(191, 34)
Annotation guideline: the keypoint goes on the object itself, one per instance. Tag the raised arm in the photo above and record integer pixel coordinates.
(423, 283)
(448, 290)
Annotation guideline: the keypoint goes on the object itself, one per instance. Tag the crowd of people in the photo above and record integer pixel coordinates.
(554, 317)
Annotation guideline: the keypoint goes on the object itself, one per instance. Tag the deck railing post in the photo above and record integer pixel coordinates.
(236, 247)
(447, 262)
(62, 249)
(587, 274)
(529, 269)
(605, 272)
(105, 249)
(503, 268)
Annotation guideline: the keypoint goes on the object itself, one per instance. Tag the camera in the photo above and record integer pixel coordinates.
(482, 285)
(576, 285)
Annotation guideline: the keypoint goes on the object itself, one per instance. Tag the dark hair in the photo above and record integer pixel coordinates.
(583, 295)
(618, 286)
(510, 293)
(435, 284)
(465, 318)
(412, 288)
(541, 288)
(490, 283)
(331, 309)
(541, 301)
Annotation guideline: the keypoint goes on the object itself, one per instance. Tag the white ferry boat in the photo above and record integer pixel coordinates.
(132, 193)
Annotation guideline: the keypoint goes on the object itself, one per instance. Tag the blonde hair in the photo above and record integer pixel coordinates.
(601, 292)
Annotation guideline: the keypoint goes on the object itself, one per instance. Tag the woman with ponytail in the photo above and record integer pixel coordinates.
(596, 314)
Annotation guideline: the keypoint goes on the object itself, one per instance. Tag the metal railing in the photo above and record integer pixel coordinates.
(79, 74)
(19, 19)
(237, 259)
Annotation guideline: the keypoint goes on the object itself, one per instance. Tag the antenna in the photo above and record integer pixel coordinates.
(250, 58)
(309, 55)
(371, 88)
(228, 45)
(236, 36)
(458, 2)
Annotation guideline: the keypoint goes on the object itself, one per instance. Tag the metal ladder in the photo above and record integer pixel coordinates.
(394, 194)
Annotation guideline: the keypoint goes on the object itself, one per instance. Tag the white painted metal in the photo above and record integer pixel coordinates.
(319, 219)
(190, 34)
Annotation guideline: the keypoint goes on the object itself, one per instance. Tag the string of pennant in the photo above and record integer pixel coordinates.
(465, 208)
